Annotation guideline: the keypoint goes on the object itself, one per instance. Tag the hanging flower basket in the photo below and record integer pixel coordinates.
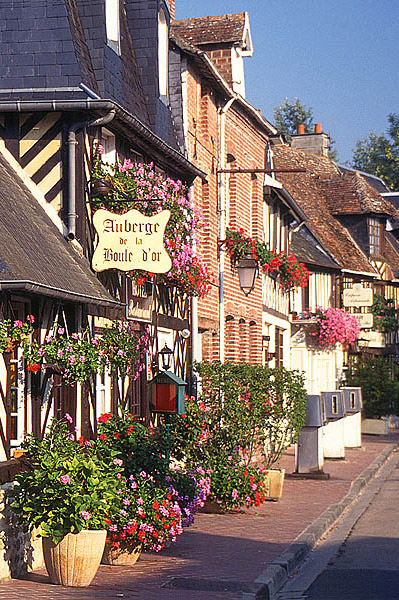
(141, 187)
(280, 266)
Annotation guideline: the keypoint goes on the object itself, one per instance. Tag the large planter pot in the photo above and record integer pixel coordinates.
(126, 555)
(75, 560)
(274, 480)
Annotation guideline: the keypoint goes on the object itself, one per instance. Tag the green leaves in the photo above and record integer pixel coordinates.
(378, 154)
(71, 487)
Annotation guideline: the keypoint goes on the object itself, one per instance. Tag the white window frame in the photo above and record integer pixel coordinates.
(163, 57)
(112, 24)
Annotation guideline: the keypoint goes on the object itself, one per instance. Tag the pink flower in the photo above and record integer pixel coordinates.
(18, 324)
(68, 417)
(85, 514)
(30, 319)
(65, 479)
(118, 462)
(61, 330)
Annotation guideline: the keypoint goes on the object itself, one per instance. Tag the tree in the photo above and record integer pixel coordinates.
(289, 115)
(378, 154)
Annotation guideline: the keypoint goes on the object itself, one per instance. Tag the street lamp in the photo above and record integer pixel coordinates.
(247, 269)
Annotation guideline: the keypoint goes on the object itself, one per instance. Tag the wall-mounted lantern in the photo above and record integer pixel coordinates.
(166, 356)
(247, 269)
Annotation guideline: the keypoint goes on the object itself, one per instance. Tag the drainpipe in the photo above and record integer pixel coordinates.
(194, 303)
(221, 188)
(72, 143)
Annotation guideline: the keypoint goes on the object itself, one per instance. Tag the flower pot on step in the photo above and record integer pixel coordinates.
(75, 560)
(274, 481)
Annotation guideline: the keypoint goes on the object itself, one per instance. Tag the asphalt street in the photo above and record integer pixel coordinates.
(359, 560)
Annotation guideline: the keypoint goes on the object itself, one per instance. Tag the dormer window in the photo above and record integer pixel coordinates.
(112, 23)
(163, 54)
(375, 241)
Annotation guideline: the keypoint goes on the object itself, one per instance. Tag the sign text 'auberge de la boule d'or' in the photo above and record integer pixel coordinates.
(131, 241)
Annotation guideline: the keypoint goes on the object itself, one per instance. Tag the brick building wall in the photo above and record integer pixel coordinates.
(245, 146)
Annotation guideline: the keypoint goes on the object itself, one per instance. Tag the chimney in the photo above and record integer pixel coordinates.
(171, 4)
(313, 143)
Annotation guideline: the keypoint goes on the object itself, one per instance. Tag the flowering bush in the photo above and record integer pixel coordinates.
(192, 491)
(145, 513)
(143, 449)
(333, 326)
(151, 192)
(70, 487)
(385, 315)
(292, 273)
(233, 484)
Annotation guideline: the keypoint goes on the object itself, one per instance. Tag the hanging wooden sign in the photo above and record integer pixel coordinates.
(131, 241)
(357, 296)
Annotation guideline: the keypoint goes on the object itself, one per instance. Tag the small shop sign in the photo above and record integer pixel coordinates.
(358, 296)
(139, 301)
(365, 319)
(131, 241)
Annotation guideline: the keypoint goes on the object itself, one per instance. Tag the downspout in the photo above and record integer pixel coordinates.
(221, 189)
(72, 143)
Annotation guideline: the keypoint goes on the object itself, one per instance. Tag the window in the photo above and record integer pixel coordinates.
(108, 142)
(374, 227)
(279, 347)
(163, 52)
(112, 25)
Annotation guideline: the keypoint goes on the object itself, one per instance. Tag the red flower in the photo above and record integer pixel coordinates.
(34, 368)
(105, 417)
(103, 437)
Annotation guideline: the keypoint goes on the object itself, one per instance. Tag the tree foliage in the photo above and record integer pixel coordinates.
(289, 115)
(378, 154)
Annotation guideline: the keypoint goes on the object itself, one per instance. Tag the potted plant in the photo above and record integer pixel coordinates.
(68, 495)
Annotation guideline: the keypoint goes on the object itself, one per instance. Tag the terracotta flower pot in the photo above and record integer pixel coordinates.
(126, 555)
(75, 560)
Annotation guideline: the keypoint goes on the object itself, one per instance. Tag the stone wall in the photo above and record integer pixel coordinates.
(19, 552)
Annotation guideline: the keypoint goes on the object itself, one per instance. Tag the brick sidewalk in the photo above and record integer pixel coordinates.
(221, 555)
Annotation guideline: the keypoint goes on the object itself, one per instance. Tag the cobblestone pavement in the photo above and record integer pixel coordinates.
(221, 555)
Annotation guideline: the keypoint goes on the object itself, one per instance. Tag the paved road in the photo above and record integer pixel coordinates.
(360, 559)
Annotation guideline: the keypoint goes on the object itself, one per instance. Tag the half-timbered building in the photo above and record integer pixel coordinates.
(349, 222)
(76, 73)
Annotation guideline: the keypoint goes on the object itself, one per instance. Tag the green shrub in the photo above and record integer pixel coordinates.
(378, 379)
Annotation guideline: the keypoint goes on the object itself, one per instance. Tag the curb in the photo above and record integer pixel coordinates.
(271, 580)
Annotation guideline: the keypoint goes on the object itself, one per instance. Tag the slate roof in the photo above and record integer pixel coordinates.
(309, 194)
(308, 251)
(211, 30)
(49, 48)
(34, 256)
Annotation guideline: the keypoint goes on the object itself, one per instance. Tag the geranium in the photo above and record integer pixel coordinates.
(141, 187)
(292, 274)
(145, 514)
(124, 348)
(334, 326)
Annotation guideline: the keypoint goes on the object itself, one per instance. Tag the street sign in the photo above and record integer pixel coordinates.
(131, 241)
(365, 319)
(358, 296)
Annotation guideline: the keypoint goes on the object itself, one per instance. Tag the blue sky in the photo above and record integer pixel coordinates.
(339, 57)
